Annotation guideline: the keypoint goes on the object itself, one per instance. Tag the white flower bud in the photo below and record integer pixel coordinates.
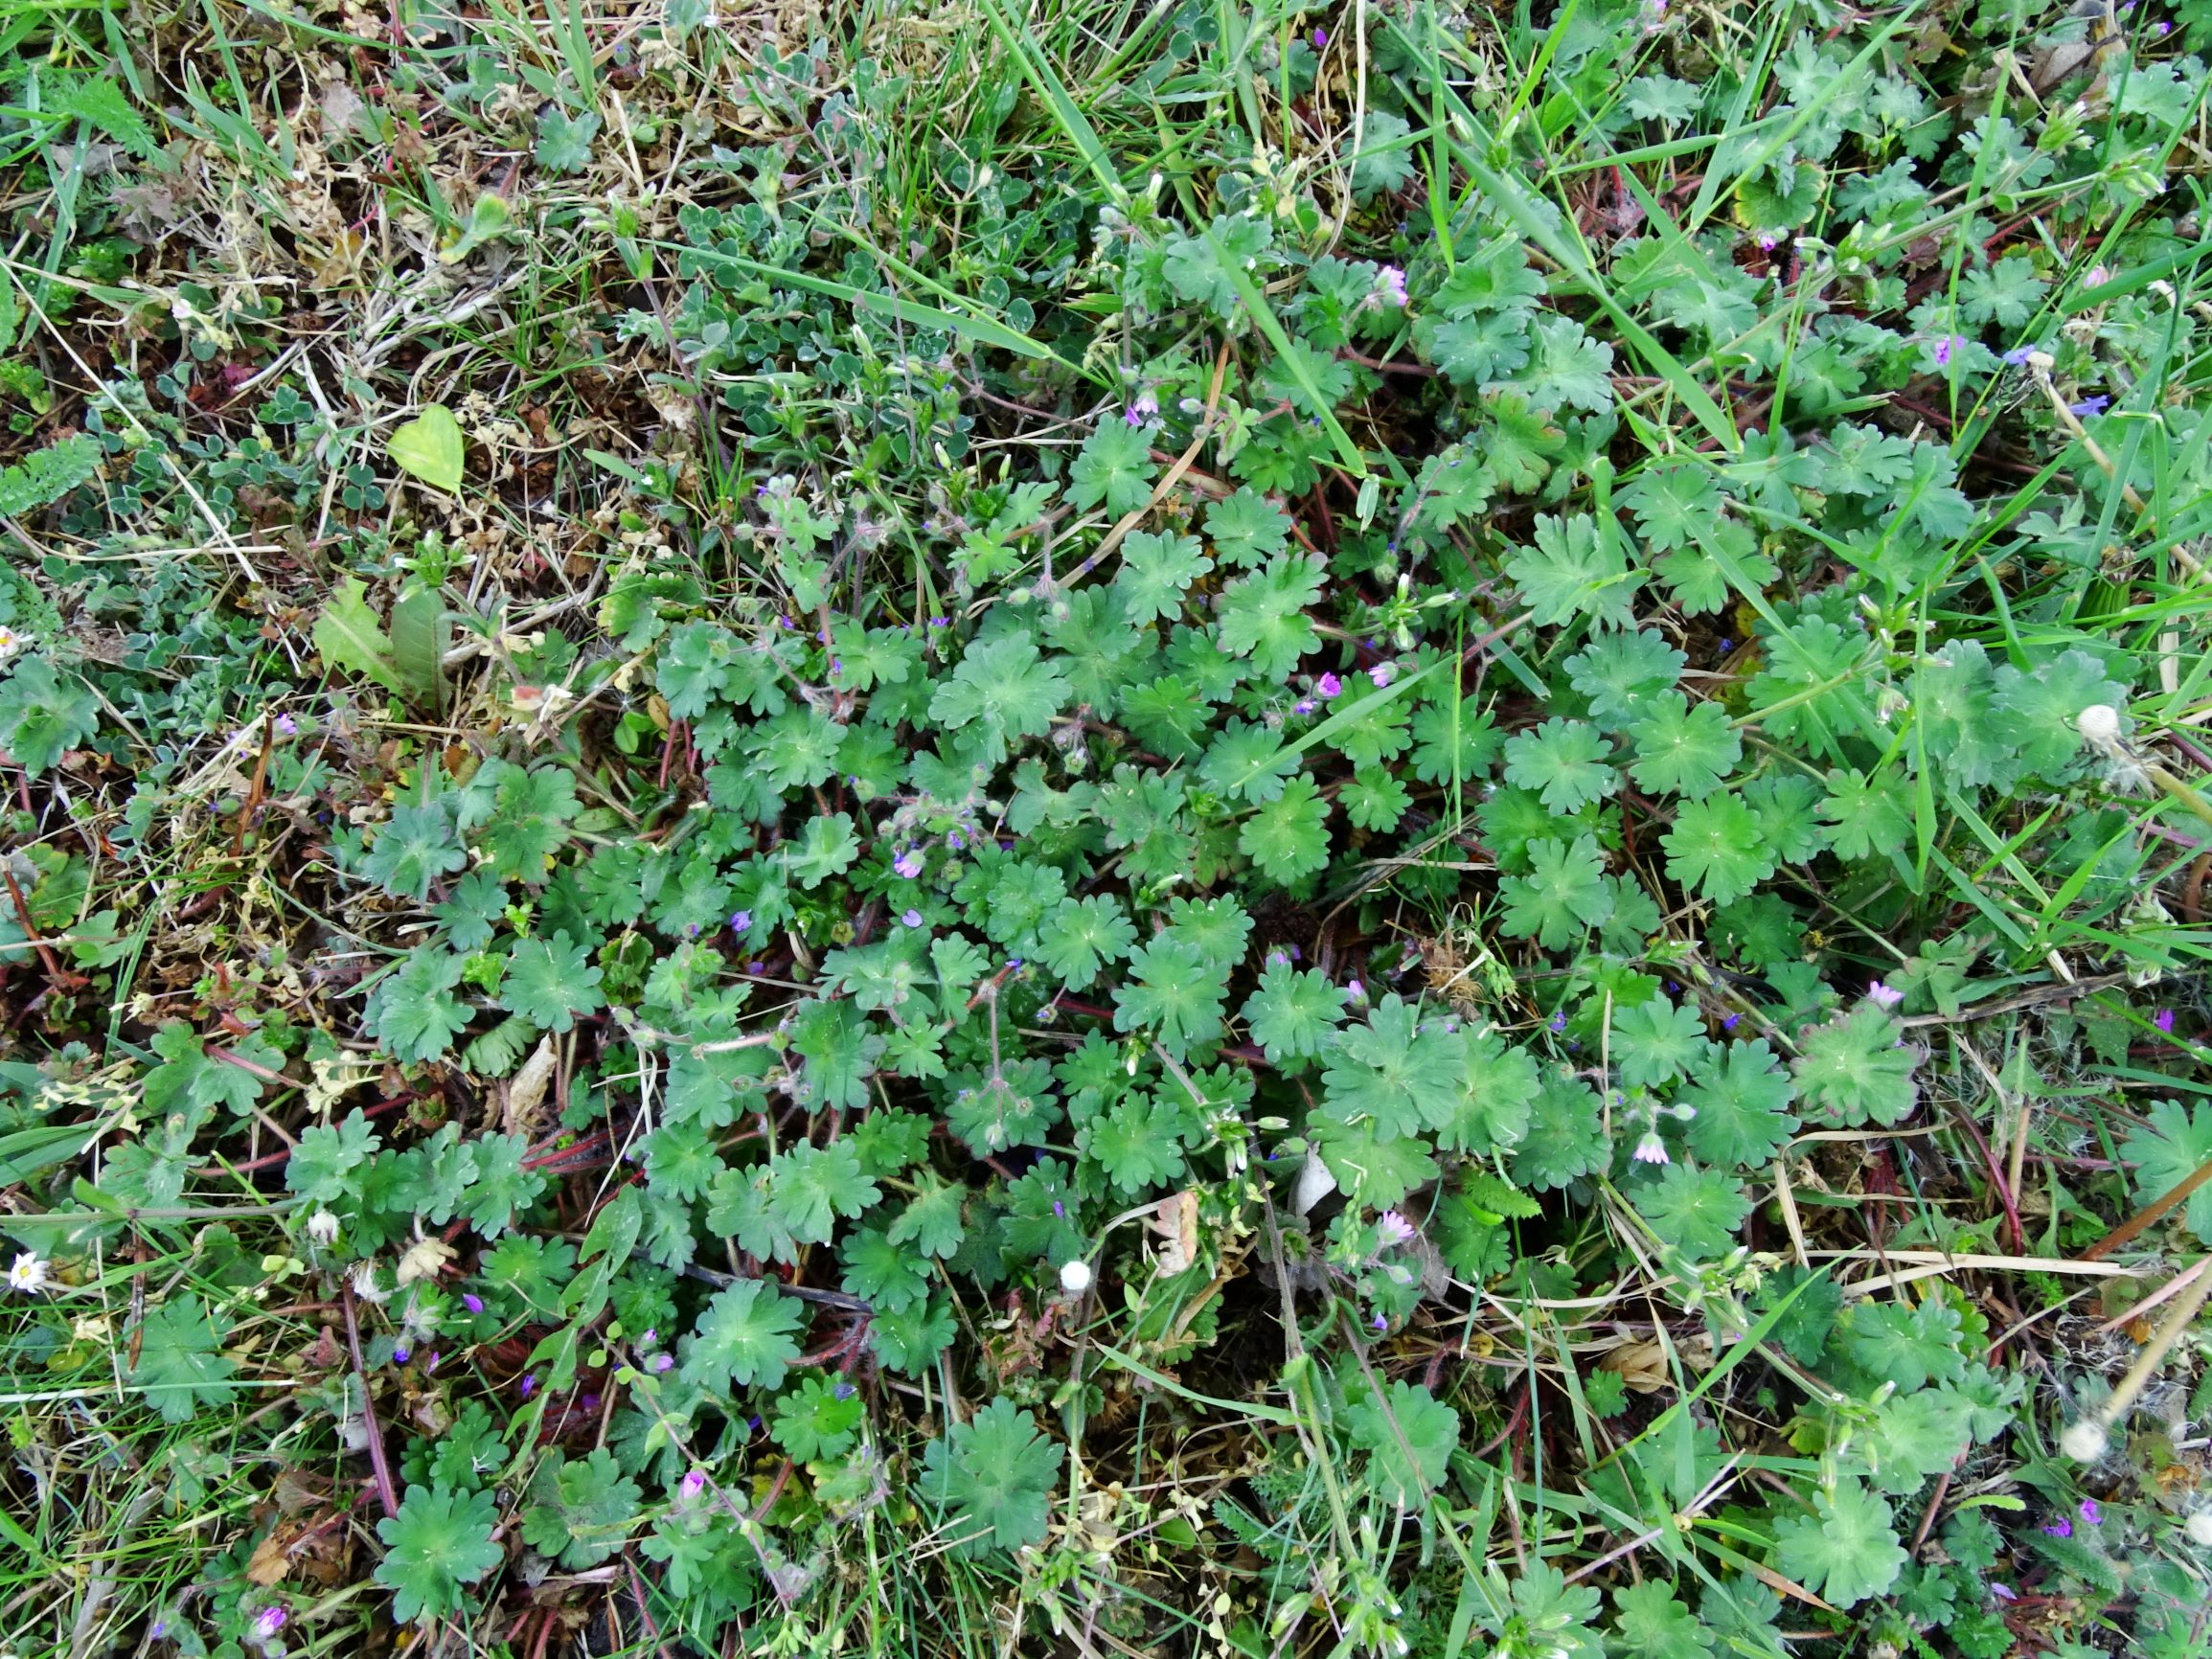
(323, 1227)
(2099, 725)
(2085, 1441)
(2199, 1526)
(1075, 1277)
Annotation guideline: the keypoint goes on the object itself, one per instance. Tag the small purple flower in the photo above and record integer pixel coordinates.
(1142, 410)
(955, 840)
(662, 1362)
(1558, 1021)
(740, 922)
(2062, 1527)
(1944, 349)
(286, 726)
(2163, 1019)
(530, 1385)
(1767, 241)
(910, 919)
(1380, 1322)
(2019, 355)
(1328, 685)
(1727, 644)
(1729, 1022)
(432, 1364)
(1382, 673)
(2096, 405)
(472, 1301)
(400, 1356)
(1888, 996)
(268, 1621)
(843, 1391)
(1321, 38)
(837, 666)
(2090, 1513)
(649, 1339)
(1395, 1228)
(2003, 1592)
(1356, 991)
(1302, 706)
(1390, 290)
(1059, 1209)
(940, 621)
(1650, 1150)
(694, 1483)
(159, 1630)
(908, 864)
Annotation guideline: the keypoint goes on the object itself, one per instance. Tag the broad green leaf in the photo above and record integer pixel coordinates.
(429, 448)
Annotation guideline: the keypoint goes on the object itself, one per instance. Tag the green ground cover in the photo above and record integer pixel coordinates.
(1186, 830)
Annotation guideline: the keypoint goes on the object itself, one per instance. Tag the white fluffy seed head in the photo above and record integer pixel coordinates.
(1075, 1277)
(2199, 1526)
(2099, 724)
(2085, 1441)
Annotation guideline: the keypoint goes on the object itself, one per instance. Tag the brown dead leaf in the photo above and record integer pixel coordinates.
(526, 1089)
(1176, 1219)
(341, 266)
(1641, 1365)
(271, 1560)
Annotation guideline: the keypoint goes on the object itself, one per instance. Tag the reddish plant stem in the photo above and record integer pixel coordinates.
(386, 1493)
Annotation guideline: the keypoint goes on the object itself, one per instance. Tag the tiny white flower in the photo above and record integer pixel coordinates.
(1650, 1150)
(323, 1227)
(2199, 1526)
(29, 1273)
(1075, 1277)
(367, 1285)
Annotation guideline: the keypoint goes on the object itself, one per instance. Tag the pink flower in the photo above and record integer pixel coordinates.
(268, 1621)
(1328, 685)
(1390, 286)
(1395, 1228)
(1142, 410)
(2003, 1592)
(1650, 1150)
(1382, 673)
(2163, 1019)
(1942, 350)
(1886, 995)
(695, 1483)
